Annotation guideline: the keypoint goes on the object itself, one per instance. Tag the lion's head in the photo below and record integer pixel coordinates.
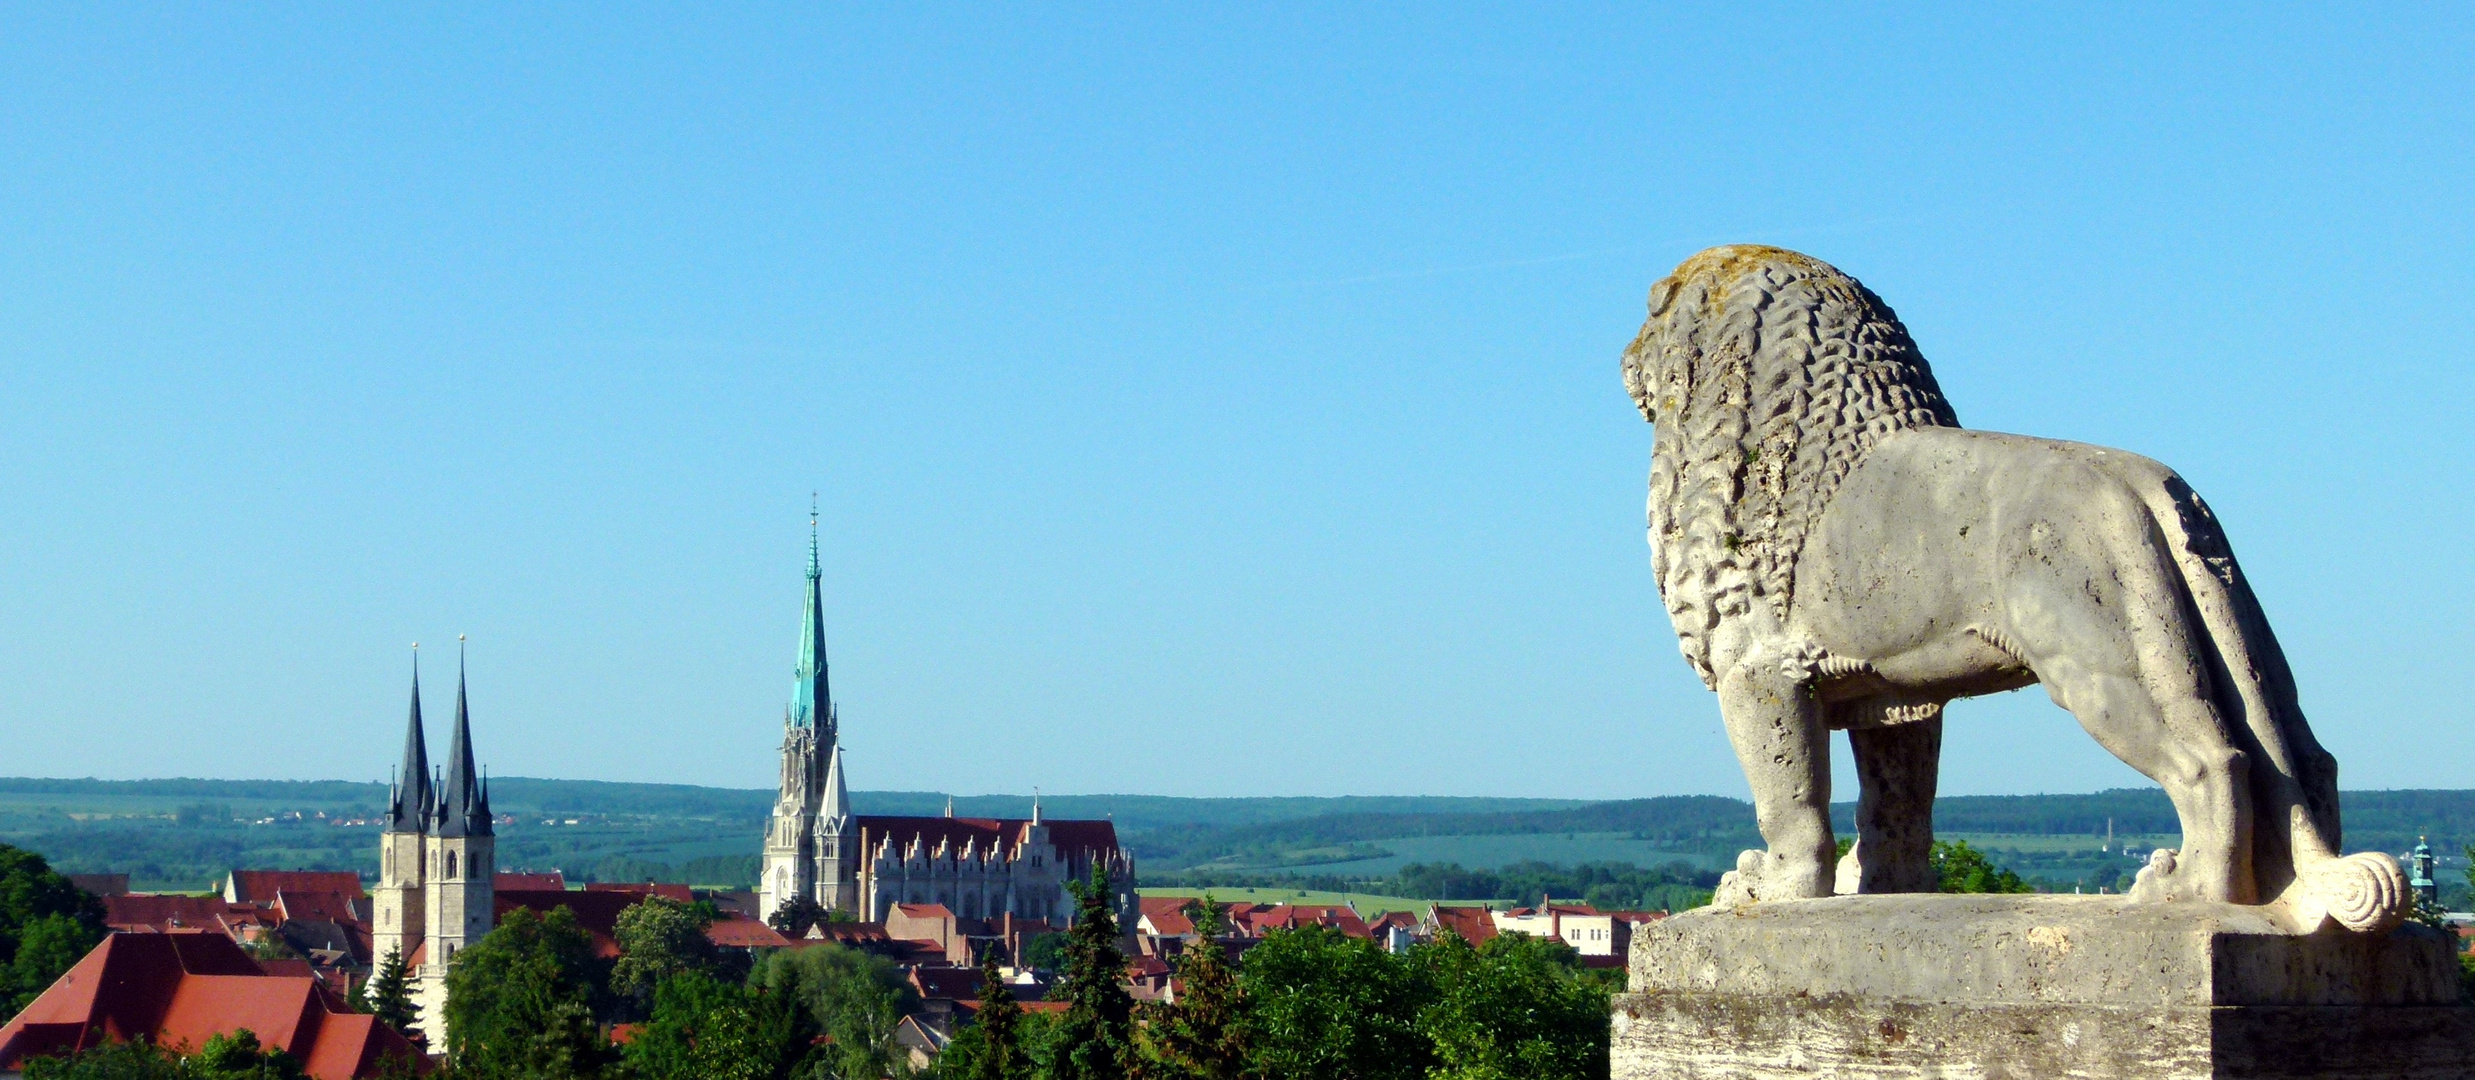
(1768, 375)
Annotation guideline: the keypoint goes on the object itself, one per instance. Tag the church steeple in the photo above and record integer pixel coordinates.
(835, 808)
(812, 699)
(408, 803)
(463, 806)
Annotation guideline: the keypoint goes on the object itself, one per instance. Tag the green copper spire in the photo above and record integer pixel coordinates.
(812, 699)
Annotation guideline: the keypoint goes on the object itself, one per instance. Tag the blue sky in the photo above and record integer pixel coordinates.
(1201, 402)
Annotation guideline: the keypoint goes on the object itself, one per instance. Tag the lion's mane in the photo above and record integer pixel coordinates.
(1768, 375)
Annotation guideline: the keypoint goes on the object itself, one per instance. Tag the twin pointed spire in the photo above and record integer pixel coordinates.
(457, 804)
(464, 803)
(408, 801)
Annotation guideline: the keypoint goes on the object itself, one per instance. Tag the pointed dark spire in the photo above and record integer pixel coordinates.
(811, 694)
(462, 808)
(408, 805)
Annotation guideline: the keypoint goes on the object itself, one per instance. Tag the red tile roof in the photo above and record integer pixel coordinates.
(328, 906)
(947, 983)
(744, 934)
(855, 934)
(680, 893)
(1167, 915)
(130, 911)
(260, 886)
(925, 911)
(1476, 925)
(529, 880)
(181, 989)
(1288, 917)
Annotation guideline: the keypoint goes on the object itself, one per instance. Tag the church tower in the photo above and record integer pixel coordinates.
(809, 750)
(837, 843)
(399, 922)
(460, 870)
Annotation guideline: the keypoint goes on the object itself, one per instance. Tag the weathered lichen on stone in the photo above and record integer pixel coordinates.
(1835, 553)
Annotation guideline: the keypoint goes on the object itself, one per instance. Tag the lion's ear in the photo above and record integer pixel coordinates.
(1661, 295)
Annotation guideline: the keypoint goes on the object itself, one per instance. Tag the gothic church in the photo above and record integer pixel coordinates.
(863, 865)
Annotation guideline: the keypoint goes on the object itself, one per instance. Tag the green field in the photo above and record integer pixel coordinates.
(1491, 852)
(1368, 904)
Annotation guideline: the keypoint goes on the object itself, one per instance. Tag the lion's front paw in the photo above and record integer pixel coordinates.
(1759, 875)
(2157, 880)
(1742, 884)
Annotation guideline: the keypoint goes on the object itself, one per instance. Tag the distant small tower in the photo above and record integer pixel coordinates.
(2427, 890)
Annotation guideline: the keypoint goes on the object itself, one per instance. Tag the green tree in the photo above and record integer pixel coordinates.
(1095, 1038)
(237, 1056)
(269, 945)
(234, 1055)
(660, 938)
(1202, 1036)
(855, 999)
(47, 924)
(992, 1047)
(1323, 1005)
(795, 915)
(1045, 952)
(113, 1060)
(520, 1002)
(388, 994)
(706, 1029)
(1964, 869)
(1517, 1008)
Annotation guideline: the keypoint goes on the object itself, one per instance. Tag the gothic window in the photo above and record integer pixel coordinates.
(451, 865)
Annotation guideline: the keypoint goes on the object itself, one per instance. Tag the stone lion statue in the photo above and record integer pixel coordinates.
(1837, 553)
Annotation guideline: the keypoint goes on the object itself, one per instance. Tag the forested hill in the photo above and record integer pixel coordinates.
(1715, 828)
(185, 833)
(528, 796)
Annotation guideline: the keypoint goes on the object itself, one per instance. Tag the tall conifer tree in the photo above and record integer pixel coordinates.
(390, 999)
(1001, 1055)
(1095, 1040)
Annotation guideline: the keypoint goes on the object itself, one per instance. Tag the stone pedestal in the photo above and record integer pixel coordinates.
(2033, 986)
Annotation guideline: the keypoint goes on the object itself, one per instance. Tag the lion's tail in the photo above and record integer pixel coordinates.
(2294, 780)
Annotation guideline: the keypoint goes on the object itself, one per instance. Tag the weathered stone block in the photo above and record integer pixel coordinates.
(2034, 986)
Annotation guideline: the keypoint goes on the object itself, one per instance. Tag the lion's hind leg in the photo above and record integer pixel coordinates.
(1897, 767)
(2295, 857)
(2095, 606)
